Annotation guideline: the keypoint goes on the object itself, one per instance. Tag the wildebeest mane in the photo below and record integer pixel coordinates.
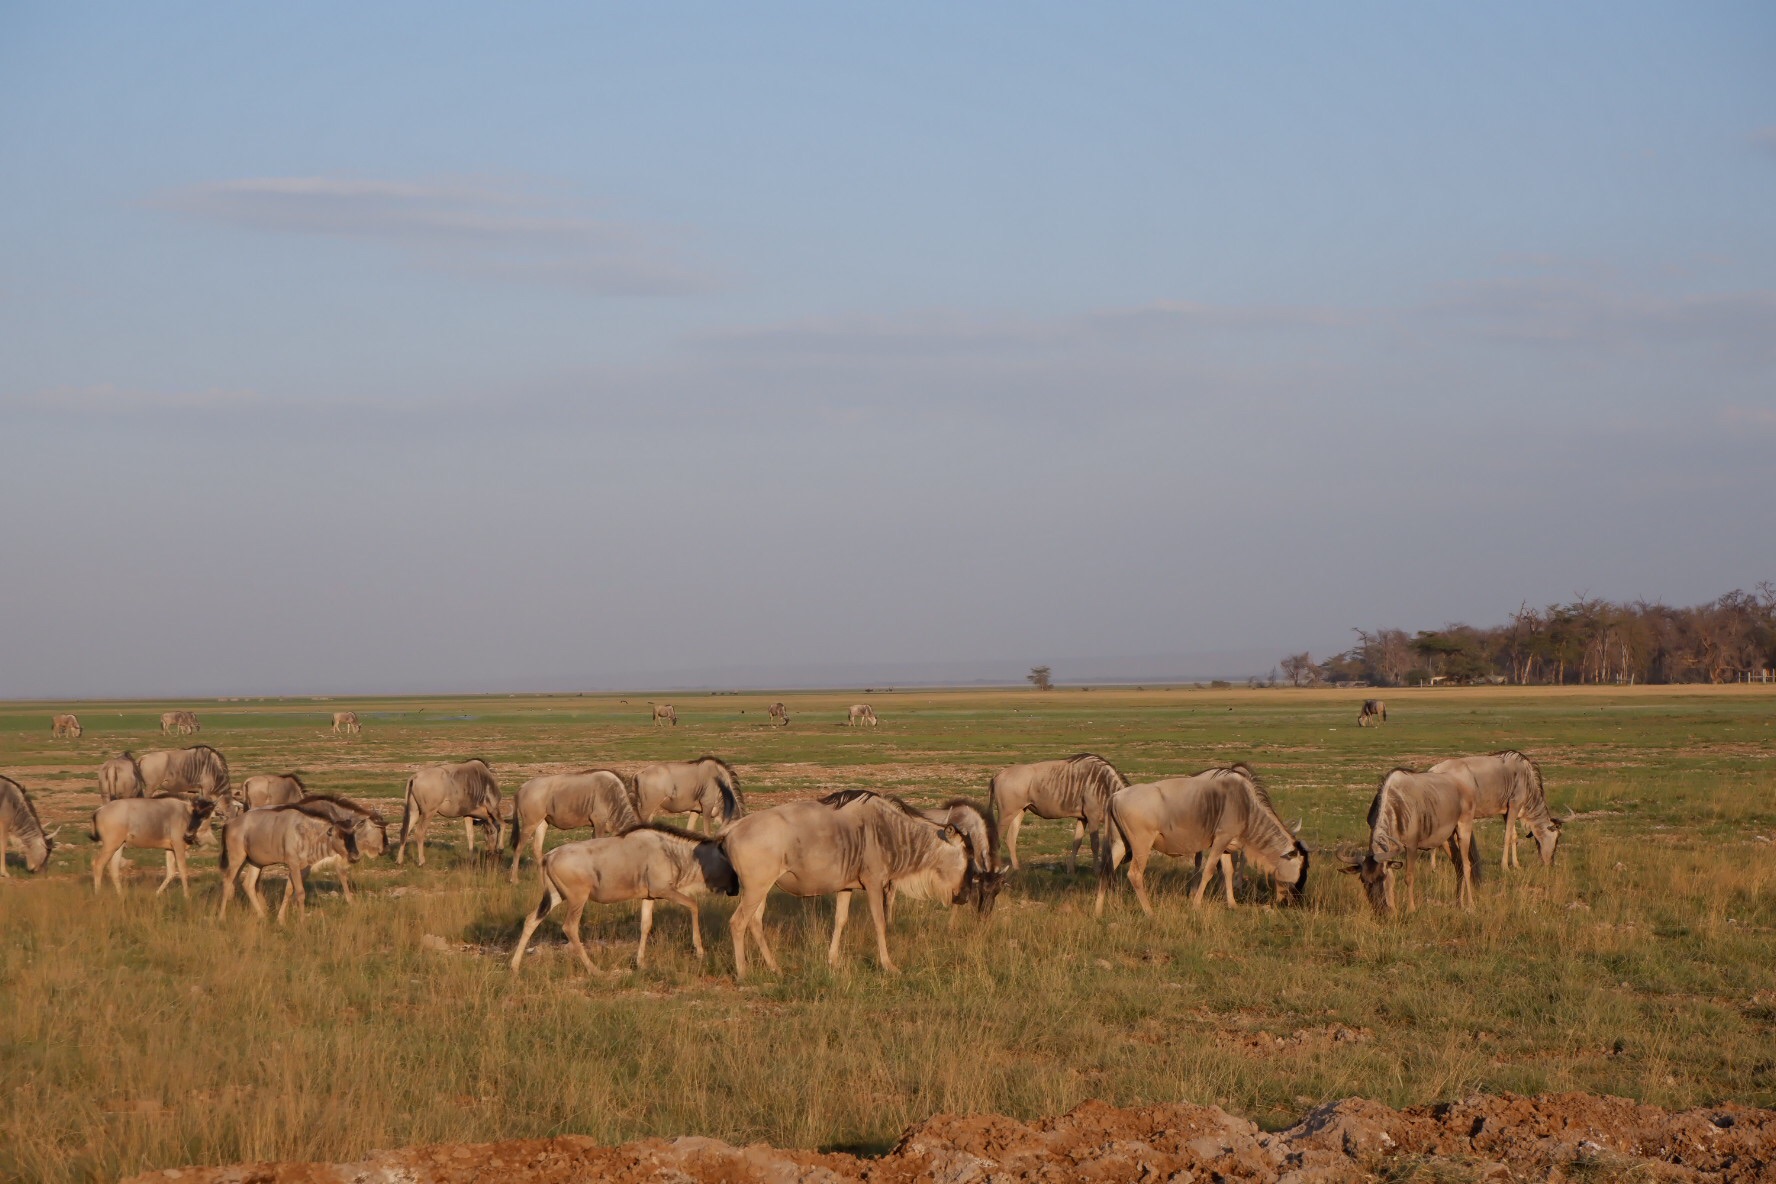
(666, 828)
(22, 809)
(343, 803)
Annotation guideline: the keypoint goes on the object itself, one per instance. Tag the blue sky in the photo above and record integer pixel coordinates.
(439, 348)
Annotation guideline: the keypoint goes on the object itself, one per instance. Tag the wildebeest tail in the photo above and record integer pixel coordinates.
(92, 829)
(1112, 846)
(407, 810)
(552, 896)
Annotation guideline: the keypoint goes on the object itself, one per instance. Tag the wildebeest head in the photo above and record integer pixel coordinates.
(1377, 876)
(718, 874)
(372, 836)
(200, 814)
(344, 841)
(1291, 875)
(36, 848)
(1547, 837)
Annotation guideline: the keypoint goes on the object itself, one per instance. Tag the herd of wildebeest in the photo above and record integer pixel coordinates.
(845, 842)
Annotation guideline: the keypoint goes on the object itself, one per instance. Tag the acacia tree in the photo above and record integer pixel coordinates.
(1299, 669)
(1040, 676)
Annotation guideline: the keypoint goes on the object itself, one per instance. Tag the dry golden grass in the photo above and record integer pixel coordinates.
(139, 1032)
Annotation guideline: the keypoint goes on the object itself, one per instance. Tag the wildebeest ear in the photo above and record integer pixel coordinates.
(1396, 864)
(1558, 823)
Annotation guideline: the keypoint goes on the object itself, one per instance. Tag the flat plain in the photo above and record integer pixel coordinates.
(141, 1032)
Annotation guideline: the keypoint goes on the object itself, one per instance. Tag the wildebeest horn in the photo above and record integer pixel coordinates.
(1571, 814)
(1350, 853)
(1295, 827)
(51, 834)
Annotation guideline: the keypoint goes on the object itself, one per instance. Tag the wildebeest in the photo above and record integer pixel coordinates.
(707, 786)
(182, 722)
(973, 824)
(199, 769)
(845, 842)
(465, 790)
(66, 725)
(367, 827)
(1508, 783)
(664, 711)
(778, 713)
(647, 863)
(299, 837)
(166, 822)
(121, 777)
(1415, 812)
(1372, 709)
(602, 799)
(18, 820)
(347, 722)
(1078, 787)
(861, 713)
(1213, 813)
(273, 789)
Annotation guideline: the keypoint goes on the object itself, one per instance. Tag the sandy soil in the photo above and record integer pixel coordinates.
(1564, 1137)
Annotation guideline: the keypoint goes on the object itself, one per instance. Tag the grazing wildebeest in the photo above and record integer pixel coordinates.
(1415, 812)
(1078, 787)
(366, 824)
(199, 769)
(973, 824)
(664, 711)
(121, 777)
(1373, 709)
(861, 713)
(66, 725)
(647, 863)
(779, 713)
(298, 837)
(168, 823)
(706, 786)
(1214, 813)
(18, 820)
(465, 790)
(182, 722)
(347, 722)
(1508, 784)
(272, 789)
(846, 842)
(599, 798)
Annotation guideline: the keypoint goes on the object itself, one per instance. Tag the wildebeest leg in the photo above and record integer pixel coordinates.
(841, 911)
(425, 824)
(1012, 825)
(571, 923)
(296, 890)
(677, 897)
(469, 831)
(1227, 877)
(647, 927)
(250, 878)
(100, 862)
(1210, 864)
(1508, 857)
(878, 914)
(1138, 854)
(692, 817)
(1073, 852)
(172, 869)
(345, 884)
(1411, 884)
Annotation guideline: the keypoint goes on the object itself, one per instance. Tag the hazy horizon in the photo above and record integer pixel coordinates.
(411, 348)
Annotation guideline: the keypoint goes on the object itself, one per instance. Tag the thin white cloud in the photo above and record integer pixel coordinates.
(480, 229)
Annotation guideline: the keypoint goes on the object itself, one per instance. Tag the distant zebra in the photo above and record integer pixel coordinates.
(66, 725)
(347, 722)
(664, 711)
(1373, 709)
(779, 714)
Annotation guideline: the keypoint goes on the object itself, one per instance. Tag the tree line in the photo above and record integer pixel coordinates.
(1729, 639)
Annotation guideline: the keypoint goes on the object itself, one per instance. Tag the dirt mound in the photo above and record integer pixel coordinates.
(1486, 1138)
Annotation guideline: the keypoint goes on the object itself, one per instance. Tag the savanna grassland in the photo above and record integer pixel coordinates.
(140, 1032)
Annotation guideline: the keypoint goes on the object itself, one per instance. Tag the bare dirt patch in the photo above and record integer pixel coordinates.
(1485, 1138)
